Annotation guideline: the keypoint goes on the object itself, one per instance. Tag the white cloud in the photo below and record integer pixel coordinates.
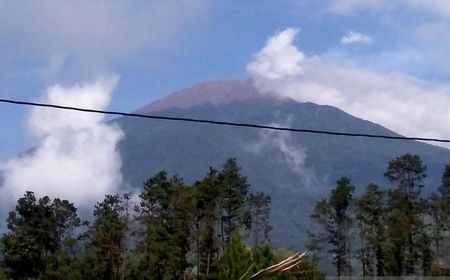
(279, 58)
(421, 26)
(346, 7)
(76, 157)
(45, 41)
(434, 7)
(92, 34)
(291, 153)
(427, 21)
(405, 104)
(355, 37)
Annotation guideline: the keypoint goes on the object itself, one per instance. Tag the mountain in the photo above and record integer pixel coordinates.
(295, 169)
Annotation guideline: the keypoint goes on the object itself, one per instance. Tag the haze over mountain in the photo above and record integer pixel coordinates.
(295, 169)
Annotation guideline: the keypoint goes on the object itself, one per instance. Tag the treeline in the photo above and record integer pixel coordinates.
(215, 229)
(386, 231)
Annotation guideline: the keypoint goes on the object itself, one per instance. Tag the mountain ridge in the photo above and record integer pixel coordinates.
(209, 92)
(295, 169)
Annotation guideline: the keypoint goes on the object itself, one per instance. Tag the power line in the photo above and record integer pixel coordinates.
(235, 124)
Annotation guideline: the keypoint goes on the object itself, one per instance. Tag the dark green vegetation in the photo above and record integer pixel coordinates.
(294, 169)
(386, 231)
(170, 231)
(375, 220)
(218, 228)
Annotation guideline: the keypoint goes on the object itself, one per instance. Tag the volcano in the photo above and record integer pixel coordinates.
(295, 169)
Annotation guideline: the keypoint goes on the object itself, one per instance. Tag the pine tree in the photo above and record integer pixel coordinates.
(444, 220)
(370, 214)
(405, 225)
(439, 224)
(181, 216)
(259, 205)
(233, 193)
(444, 188)
(333, 215)
(106, 246)
(39, 232)
(206, 217)
(165, 217)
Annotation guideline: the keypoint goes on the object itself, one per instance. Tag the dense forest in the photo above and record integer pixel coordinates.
(215, 229)
(218, 228)
(386, 231)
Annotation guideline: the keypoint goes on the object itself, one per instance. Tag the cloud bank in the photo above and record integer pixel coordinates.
(403, 103)
(76, 156)
(85, 37)
(63, 42)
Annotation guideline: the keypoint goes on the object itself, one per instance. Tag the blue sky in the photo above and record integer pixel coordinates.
(381, 60)
(157, 47)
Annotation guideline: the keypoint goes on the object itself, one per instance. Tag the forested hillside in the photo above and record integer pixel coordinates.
(220, 228)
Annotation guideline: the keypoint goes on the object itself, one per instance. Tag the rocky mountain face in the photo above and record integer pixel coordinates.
(295, 169)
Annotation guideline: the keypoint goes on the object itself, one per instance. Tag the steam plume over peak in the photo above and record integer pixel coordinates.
(400, 102)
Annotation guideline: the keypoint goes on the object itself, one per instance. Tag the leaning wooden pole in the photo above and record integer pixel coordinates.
(285, 265)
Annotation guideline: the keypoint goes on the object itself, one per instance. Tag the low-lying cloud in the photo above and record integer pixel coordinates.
(292, 153)
(403, 103)
(76, 156)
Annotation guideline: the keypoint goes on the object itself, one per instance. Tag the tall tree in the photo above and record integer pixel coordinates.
(370, 214)
(439, 224)
(405, 225)
(439, 211)
(444, 188)
(408, 172)
(39, 231)
(334, 216)
(206, 216)
(165, 216)
(233, 192)
(106, 241)
(181, 205)
(259, 205)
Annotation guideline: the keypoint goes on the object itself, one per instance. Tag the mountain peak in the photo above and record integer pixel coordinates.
(211, 92)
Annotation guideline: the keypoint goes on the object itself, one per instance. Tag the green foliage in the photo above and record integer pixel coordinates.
(404, 220)
(262, 256)
(408, 172)
(440, 212)
(223, 208)
(199, 232)
(370, 215)
(206, 216)
(106, 241)
(444, 188)
(233, 197)
(397, 227)
(173, 222)
(259, 205)
(165, 215)
(39, 231)
(334, 218)
(236, 260)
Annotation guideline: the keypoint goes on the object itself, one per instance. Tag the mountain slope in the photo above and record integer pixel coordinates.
(296, 169)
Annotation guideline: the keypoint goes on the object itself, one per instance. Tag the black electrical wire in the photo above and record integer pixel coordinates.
(235, 124)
